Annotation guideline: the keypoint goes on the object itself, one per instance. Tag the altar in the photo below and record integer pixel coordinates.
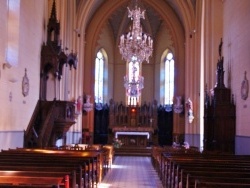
(134, 136)
(133, 125)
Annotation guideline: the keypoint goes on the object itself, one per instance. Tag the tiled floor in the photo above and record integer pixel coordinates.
(131, 172)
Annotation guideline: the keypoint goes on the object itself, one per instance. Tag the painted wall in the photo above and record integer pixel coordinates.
(16, 110)
(236, 57)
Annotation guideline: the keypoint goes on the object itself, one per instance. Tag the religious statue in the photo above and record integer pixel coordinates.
(189, 106)
(220, 71)
(79, 105)
(220, 60)
(178, 107)
(220, 47)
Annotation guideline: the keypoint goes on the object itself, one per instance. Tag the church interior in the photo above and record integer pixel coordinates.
(127, 76)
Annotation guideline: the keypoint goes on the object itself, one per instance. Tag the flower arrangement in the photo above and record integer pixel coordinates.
(117, 143)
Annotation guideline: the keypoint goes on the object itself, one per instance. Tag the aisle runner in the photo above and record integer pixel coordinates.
(131, 172)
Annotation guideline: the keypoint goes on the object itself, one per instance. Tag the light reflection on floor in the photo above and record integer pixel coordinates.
(104, 185)
(131, 172)
(118, 166)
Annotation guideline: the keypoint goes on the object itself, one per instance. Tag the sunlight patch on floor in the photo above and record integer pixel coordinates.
(118, 166)
(104, 185)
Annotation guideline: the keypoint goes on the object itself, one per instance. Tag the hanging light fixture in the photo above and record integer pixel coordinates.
(135, 45)
(135, 84)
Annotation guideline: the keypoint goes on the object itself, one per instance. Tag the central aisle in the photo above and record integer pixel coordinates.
(131, 172)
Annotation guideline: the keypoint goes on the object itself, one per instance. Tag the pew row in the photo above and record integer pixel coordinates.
(76, 168)
(183, 168)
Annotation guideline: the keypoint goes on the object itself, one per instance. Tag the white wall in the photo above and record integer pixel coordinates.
(16, 110)
(236, 58)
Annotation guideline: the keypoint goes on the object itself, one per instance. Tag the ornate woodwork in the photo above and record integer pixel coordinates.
(133, 119)
(133, 116)
(53, 57)
(220, 115)
(134, 140)
(133, 125)
(50, 121)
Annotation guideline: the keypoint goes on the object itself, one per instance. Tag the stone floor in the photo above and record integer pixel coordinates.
(131, 172)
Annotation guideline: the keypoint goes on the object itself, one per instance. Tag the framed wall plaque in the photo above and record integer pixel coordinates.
(244, 87)
(25, 84)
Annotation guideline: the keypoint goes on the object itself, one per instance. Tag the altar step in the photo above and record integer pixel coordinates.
(133, 151)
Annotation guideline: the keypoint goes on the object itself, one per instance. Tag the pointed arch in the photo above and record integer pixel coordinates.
(167, 77)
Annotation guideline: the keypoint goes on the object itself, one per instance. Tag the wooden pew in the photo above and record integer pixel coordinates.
(111, 153)
(179, 165)
(105, 159)
(182, 161)
(183, 169)
(208, 167)
(47, 166)
(174, 176)
(207, 184)
(167, 151)
(40, 159)
(67, 173)
(156, 159)
(215, 176)
(38, 178)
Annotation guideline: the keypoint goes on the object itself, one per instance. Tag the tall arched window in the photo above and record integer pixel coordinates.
(99, 71)
(169, 78)
(13, 26)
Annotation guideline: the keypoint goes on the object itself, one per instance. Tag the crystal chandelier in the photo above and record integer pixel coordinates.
(134, 86)
(136, 46)
(134, 83)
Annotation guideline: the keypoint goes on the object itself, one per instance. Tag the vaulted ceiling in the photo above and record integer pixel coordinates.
(119, 21)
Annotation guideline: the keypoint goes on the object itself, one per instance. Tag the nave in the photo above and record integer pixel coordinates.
(131, 172)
